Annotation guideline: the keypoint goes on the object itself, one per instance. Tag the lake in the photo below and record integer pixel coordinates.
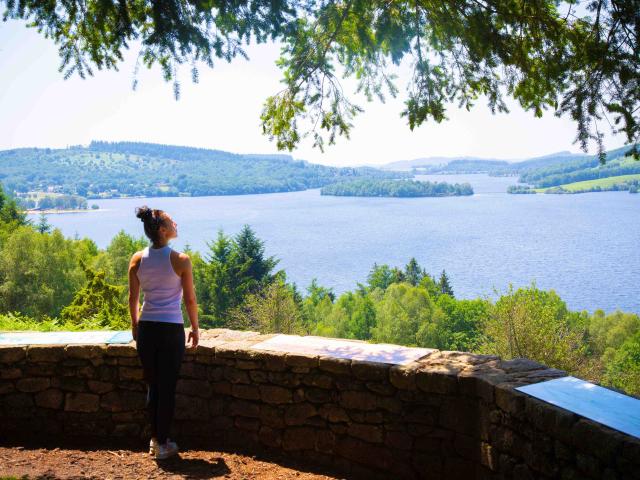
(586, 247)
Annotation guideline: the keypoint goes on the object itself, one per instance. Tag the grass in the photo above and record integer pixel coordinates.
(603, 183)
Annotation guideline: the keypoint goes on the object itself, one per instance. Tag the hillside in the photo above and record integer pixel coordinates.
(104, 170)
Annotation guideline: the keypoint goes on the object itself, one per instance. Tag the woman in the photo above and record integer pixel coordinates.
(165, 277)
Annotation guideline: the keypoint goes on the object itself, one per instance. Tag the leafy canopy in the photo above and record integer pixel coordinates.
(574, 57)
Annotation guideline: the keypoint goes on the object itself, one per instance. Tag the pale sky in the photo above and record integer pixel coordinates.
(38, 108)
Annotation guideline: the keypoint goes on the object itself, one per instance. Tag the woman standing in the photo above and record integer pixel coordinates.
(165, 277)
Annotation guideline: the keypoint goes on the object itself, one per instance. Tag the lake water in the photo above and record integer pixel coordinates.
(586, 247)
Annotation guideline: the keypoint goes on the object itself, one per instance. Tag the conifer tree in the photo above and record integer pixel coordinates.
(444, 285)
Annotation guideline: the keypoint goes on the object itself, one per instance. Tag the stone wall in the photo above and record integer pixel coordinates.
(449, 415)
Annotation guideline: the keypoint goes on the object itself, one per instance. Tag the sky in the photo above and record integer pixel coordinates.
(38, 108)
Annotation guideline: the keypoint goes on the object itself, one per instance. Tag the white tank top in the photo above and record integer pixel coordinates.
(161, 286)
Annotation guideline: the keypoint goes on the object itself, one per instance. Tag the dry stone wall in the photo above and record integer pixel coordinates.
(449, 415)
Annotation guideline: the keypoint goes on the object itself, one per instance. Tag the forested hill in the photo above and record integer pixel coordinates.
(144, 169)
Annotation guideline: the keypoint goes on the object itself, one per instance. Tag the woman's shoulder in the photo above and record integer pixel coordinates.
(136, 258)
(180, 257)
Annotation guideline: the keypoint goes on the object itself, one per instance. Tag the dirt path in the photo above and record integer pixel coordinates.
(101, 463)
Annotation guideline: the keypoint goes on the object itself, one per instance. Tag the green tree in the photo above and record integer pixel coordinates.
(535, 324)
(400, 313)
(413, 272)
(97, 302)
(381, 276)
(272, 310)
(545, 55)
(456, 326)
(623, 371)
(39, 273)
(43, 226)
(444, 286)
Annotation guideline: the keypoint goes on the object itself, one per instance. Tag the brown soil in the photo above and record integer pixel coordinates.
(82, 462)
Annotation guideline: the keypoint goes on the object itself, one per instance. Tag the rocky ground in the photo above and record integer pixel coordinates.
(104, 462)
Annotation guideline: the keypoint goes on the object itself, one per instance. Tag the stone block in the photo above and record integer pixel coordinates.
(335, 365)
(369, 371)
(6, 387)
(358, 400)
(69, 384)
(333, 413)
(129, 362)
(215, 373)
(50, 398)
(96, 386)
(45, 353)
(389, 404)
(319, 380)
(128, 373)
(325, 441)
(196, 388)
(194, 370)
(40, 369)
(355, 450)
(121, 350)
(596, 439)
(123, 401)
(33, 384)
(480, 382)
(376, 417)
(244, 408)
(381, 388)
(271, 437)
(275, 395)
(246, 392)
(12, 354)
(403, 377)
(273, 361)
(81, 402)
(284, 379)
(271, 416)
(84, 352)
(398, 440)
(299, 413)
(191, 408)
(509, 399)
(366, 432)
(10, 373)
(438, 379)
(247, 364)
(235, 375)
(247, 423)
(588, 465)
(126, 430)
(299, 438)
(300, 360)
(221, 388)
(318, 395)
(460, 414)
(427, 414)
(258, 376)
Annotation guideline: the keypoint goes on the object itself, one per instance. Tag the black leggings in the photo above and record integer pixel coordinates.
(160, 348)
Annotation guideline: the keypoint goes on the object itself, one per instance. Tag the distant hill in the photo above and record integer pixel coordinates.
(430, 162)
(104, 170)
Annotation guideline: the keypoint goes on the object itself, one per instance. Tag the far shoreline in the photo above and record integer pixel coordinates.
(54, 211)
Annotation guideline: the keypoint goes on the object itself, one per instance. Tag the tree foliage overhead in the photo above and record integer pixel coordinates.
(579, 58)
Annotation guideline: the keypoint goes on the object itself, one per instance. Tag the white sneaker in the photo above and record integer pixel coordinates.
(153, 445)
(169, 449)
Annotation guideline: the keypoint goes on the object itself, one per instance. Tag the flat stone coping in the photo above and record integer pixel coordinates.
(64, 338)
(350, 349)
(602, 405)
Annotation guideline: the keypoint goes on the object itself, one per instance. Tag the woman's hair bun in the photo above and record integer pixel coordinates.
(144, 213)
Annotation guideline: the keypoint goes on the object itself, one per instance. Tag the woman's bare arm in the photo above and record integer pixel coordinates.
(134, 293)
(189, 295)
